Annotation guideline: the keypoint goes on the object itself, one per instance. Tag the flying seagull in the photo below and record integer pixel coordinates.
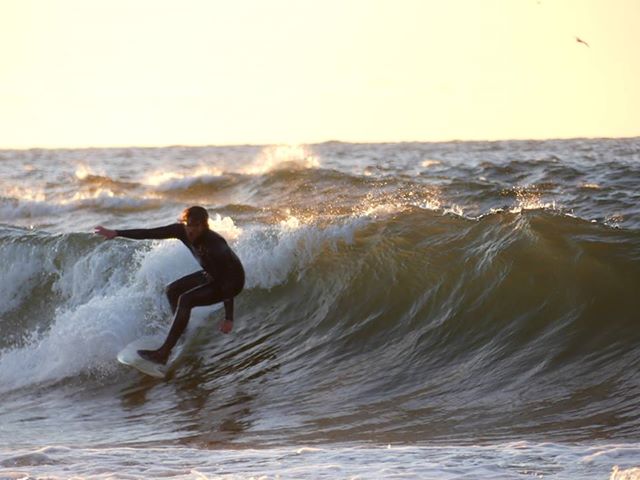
(579, 40)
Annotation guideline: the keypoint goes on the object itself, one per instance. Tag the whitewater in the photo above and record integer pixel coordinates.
(412, 310)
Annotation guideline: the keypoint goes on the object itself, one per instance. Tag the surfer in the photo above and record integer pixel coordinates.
(220, 280)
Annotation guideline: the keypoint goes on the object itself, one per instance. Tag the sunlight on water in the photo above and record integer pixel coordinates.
(24, 193)
(280, 156)
(530, 198)
(429, 163)
(622, 474)
(83, 171)
(225, 226)
(290, 224)
(170, 178)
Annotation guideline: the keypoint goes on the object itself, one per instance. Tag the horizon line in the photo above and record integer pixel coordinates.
(269, 144)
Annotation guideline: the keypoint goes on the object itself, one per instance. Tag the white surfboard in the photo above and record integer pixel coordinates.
(129, 356)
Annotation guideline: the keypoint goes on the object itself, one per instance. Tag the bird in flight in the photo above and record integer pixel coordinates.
(579, 40)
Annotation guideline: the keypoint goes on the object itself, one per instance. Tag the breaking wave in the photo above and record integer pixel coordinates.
(491, 322)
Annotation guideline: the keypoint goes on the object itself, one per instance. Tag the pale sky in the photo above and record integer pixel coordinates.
(77, 73)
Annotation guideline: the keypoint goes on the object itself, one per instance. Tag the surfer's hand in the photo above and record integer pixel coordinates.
(105, 232)
(226, 326)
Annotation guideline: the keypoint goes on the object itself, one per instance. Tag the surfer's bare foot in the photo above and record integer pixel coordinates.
(156, 356)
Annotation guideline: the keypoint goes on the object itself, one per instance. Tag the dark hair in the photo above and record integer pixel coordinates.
(195, 214)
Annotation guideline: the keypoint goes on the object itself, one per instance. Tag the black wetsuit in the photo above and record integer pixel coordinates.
(221, 279)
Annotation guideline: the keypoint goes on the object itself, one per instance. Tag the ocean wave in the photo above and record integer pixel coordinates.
(269, 160)
(106, 199)
(105, 293)
(468, 294)
(281, 157)
(101, 295)
(413, 303)
(12, 209)
(87, 177)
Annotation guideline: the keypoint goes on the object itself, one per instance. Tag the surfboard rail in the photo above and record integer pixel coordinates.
(129, 356)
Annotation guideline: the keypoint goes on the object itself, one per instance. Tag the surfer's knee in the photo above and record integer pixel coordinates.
(184, 301)
(172, 293)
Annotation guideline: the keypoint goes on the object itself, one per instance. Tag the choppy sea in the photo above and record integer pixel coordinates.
(460, 310)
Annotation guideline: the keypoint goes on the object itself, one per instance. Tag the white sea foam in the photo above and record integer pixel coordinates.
(83, 171)
(96, 319)
(625, 474)
(108, 298)
(225, 227)
(454, 209)
(326, 461)
(271, 254)
(429, 163)
(277, 157)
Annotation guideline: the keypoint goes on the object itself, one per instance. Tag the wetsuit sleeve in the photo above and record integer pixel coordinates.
(175, 230)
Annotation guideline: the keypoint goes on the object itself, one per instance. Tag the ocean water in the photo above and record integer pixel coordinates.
(415, 310)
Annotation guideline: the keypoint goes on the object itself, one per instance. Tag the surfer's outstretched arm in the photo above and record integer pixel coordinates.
(175, 230)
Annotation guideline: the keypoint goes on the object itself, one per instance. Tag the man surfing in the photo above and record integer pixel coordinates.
(220, 280)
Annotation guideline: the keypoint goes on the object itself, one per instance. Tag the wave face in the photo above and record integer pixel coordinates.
(395, 293)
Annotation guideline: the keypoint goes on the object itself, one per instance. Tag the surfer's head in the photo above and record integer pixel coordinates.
(196, 221)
